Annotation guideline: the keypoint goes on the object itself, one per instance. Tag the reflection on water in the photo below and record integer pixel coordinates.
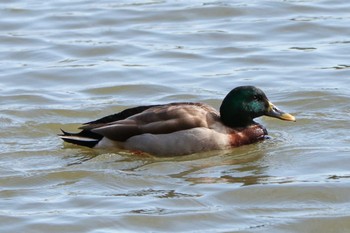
(64, 64)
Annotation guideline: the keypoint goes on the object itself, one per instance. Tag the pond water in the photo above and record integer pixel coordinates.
(64, 63)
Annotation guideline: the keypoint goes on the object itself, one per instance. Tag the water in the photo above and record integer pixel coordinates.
(68, 62)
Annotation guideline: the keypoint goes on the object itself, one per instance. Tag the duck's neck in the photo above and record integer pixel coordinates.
(235, 120)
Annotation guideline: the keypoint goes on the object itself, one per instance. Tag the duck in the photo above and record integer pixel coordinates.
(182, 128)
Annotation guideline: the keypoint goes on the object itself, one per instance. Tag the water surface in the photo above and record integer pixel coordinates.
(68, 62)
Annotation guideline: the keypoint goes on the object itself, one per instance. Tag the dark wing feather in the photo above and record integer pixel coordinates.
(120, 115)
(88, 138)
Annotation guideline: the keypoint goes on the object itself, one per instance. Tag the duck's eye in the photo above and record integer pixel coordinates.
(256, 97)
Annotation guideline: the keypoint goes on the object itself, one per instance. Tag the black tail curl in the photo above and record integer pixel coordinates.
(83, 138)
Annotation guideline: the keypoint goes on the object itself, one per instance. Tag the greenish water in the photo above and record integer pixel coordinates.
(68, 62)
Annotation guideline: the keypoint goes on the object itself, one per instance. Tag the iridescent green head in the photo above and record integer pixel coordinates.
(245, 103)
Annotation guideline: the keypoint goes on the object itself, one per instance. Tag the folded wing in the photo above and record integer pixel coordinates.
(159, 119)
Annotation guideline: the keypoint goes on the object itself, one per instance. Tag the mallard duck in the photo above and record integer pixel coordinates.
(182, 128)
